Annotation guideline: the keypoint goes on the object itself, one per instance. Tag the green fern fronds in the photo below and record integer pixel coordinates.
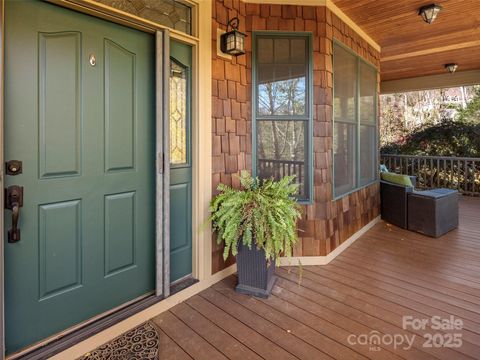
(263, 213)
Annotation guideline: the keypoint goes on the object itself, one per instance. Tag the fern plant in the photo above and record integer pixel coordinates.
(262, 213)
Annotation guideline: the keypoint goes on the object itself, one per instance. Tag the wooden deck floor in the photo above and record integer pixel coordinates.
(387, 274)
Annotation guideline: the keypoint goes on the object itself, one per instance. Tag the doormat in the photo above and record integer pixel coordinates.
(140, 343)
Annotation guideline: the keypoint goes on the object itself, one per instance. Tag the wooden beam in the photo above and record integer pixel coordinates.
(461, 78)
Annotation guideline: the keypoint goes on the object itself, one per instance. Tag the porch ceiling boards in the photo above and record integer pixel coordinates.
(411, 47)
(384, 275)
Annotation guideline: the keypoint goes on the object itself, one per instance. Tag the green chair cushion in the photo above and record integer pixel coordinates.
(396, 178)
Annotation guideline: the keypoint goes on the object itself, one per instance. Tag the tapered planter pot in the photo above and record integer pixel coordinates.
(255, 276)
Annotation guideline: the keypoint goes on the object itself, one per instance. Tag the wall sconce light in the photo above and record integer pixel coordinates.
(429, 12)
(451, 67)
(233, 41)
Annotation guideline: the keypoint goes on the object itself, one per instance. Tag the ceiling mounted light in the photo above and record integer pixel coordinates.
(451, 67)
(429, 12)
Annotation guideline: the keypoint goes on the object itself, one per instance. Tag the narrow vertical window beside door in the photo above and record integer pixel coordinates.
(178, 114)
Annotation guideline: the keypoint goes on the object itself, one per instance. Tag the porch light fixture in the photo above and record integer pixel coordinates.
(451, 67)
(233, 41)
(429, 12)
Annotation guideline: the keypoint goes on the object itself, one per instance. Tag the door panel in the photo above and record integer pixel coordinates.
(119, 232)
(60, 99)
(180, 162)
(85, 134)
(119, 107)
(60, 248)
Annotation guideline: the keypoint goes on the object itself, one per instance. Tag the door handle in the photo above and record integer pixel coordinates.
(14, 232)
(14, 201)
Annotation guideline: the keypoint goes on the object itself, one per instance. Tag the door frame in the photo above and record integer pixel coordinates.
(2, 183)
(201, 138)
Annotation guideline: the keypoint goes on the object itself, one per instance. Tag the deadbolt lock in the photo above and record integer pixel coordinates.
(13, 167)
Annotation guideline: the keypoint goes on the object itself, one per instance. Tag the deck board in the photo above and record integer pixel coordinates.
(386, 274)
(258, 343)
(220, 339)
(169, 349)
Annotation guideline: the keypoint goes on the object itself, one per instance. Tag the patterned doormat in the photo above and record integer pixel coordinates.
(140, 343)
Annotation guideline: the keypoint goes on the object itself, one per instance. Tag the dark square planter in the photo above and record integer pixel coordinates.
(255, 276)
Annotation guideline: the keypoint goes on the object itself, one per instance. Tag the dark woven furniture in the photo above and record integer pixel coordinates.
(433, 212)
(394, 202)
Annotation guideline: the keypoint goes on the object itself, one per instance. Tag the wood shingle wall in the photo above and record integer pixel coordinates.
(326, 223)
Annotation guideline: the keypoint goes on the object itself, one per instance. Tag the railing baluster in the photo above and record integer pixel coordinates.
(424, 172)
(473, 176)
(437, 170)
(458, 175)
(474, 167)
(465, 175)
(431, 172)
(452, 169)
(418, 170)
(445, 174)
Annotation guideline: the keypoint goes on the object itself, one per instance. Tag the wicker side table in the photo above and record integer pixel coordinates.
(433, 212)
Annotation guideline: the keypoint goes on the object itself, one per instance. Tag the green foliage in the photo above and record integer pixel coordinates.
(448, 138)
(471, 113)
(263, 212)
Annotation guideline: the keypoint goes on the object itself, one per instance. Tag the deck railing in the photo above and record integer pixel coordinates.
(459, 173)
(281, 168)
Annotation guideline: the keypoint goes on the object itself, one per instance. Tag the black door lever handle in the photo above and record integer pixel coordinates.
(14, 201)
(14, 232)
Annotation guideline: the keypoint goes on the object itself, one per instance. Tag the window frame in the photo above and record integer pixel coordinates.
(308, 117)
(359, 59)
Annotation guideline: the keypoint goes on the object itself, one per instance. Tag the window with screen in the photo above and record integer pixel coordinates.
(283, 108)
(355, 121)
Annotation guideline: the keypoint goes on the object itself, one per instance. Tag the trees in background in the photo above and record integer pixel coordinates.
(442, 122)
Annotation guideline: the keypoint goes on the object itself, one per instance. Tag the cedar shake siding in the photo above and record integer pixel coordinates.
(326, 223)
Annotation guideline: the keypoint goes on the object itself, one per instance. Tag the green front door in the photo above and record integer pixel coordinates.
(80, 115)
(180, 162)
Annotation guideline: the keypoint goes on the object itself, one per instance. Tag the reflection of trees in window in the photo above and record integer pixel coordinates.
(285, 140)
(281, 140)
(282, 97)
